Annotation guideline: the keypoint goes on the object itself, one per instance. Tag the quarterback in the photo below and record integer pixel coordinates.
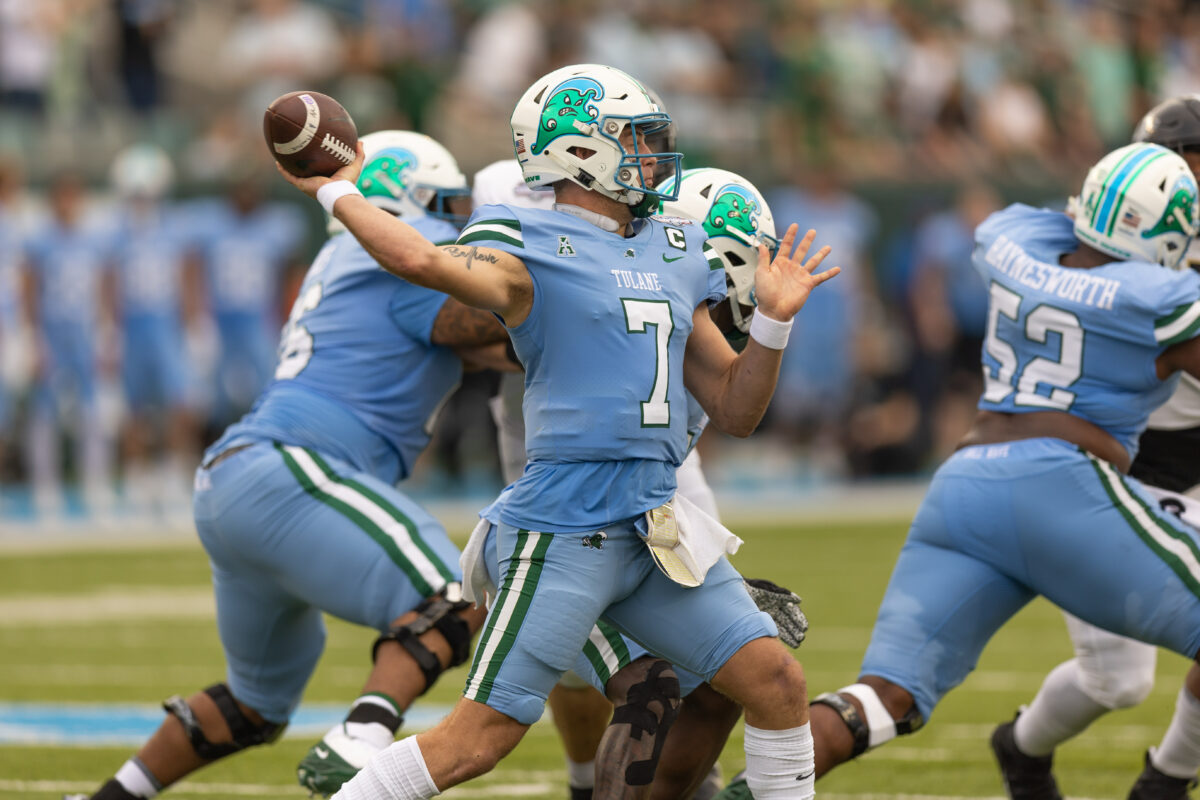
(607, 308)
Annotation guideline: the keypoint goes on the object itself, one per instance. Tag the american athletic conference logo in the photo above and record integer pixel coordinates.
(386, 174)
(735, 210)
(570, 103)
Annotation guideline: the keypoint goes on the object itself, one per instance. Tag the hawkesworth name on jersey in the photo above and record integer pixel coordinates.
(1074, 285)
(628, 279)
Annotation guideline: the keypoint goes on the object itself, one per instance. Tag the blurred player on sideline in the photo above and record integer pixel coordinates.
(296, 508)
(737, 219)
(1090, 320)
(154, 276)
(1110, 671)
(602, 304)
(67, 256)
(246, 244)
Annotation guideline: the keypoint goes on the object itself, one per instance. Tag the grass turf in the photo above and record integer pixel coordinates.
(64, 641)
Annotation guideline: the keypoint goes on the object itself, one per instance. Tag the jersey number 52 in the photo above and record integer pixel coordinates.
(1055, 374)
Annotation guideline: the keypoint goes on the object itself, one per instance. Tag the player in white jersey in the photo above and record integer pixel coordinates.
(1108, 671)
(588, 312)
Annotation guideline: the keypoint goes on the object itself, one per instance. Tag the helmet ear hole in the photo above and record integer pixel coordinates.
(735, 260)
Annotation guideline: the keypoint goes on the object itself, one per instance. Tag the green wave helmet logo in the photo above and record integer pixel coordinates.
(1183, 201)
(571, 101)
(386, 174)
(735, 209)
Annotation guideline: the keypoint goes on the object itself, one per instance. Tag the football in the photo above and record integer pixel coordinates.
(309, 133)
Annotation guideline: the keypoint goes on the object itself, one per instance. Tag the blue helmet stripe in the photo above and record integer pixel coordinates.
(1115, 183)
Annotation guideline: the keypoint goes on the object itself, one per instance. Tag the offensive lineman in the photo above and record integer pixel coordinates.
(601, 310)
(1110, 671)
(1088, 323)
(296, 508)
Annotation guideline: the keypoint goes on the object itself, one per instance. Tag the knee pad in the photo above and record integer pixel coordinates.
(878, 727)
(435, 613)
(659, 686)
(244, 732)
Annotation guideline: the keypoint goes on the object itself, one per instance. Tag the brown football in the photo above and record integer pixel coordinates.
(309, 133)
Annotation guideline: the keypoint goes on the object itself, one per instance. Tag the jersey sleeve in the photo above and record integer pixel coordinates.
(497, 227)
(1177, 310)
(414, 309)
(717, 286)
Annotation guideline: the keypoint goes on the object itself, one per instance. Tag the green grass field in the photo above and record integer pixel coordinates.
(133, 625)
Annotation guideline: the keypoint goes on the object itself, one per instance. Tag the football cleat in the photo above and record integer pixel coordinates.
(1025, 777)
(332, 761)
(1155, 785)
(737, 789)
(76, 797)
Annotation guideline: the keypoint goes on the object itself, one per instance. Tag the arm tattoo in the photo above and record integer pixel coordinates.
(470, 254)
(459, 325)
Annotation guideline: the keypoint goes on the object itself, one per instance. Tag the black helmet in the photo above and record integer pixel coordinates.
(1173, 123)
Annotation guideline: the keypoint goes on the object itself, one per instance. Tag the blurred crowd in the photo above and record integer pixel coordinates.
(140, 303)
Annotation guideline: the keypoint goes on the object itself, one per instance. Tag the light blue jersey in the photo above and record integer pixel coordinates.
(300, 515)
(357, 377)
(606, 412)
(1077, 340)
(150, 254)
(68, 262)
(1005, 522)
(245, 254)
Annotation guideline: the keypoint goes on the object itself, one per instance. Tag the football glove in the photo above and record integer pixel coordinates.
(783, 606)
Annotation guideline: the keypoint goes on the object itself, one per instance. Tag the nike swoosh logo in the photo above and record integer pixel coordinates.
(806, 775)
(321, 753)
(669, 260)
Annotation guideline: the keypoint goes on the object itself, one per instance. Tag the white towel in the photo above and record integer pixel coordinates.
(477, 586)
(685, 541)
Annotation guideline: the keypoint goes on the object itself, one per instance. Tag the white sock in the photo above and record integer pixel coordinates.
(1061, 710)
(780, 764)
(137, 780)
(581, 775)
(374, 734)
(398, 773)
(1179, 753)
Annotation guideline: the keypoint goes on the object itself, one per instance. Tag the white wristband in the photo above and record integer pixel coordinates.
(328, 194)
(769, 332)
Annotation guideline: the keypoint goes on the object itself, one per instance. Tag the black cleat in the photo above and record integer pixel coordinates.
(1025, 777)
(578, 793)
(1155, 785)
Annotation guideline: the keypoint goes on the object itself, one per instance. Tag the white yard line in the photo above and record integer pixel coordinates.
(132, 603)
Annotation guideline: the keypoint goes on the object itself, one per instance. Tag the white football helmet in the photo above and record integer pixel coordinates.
(587, 108)
(502, 183)
(142, 171)
(410, 175)
(737, 220)
(1139, 203)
